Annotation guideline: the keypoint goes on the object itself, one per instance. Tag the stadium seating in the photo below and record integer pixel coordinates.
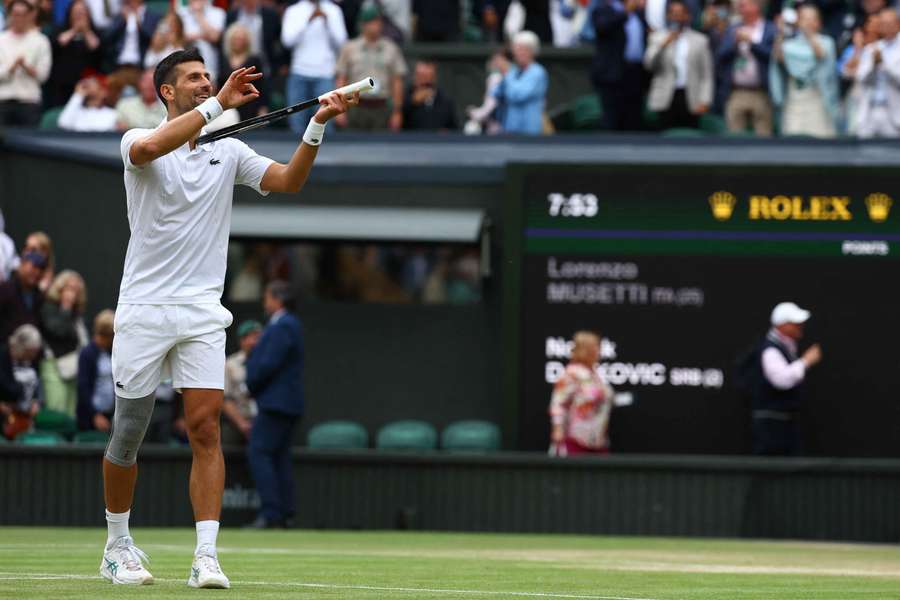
(55, 421)
(407, 435)
(50, 119)
(338, 435)
(471, 436)
(91, 437)
(41, 438)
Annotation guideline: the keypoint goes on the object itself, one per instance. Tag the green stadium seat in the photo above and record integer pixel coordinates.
(338, 434)
(471, 436)
(41, 438)
(50, 119)
(91, 437)
(55, 421)
(587, 113)
(713, 124)
(407, 435)
(158, 7)
(683, 132)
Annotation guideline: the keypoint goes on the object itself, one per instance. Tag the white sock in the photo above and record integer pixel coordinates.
(116, 526)
(207, 531)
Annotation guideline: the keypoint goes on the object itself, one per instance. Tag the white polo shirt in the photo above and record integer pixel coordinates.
(179, 213)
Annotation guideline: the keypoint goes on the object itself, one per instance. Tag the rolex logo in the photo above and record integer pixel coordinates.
(879, 206)
(722, 204)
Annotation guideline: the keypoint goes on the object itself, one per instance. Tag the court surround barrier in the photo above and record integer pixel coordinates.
(819, 499)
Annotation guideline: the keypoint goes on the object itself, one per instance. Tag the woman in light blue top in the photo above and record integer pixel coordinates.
(803, 78)
(524, 88)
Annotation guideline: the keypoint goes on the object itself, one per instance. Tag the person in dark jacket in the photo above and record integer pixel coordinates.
(96, 393)
(427, 107)
(779, 380)
(20, 297)
(76, 47)
(126, 42)
(64, 334)
(275, 380)
(618, 70)
(743, 64)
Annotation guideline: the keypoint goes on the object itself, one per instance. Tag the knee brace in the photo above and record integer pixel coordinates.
(130, 422)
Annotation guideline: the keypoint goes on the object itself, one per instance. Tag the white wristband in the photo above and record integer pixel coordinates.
(315, 131)
(210, 109)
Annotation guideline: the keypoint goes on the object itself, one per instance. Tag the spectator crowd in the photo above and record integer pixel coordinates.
(810, 68)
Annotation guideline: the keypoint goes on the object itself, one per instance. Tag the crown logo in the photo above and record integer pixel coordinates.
(722, 204)
(879, 206)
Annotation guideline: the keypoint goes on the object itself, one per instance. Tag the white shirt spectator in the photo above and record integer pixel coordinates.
(681, 62)
(315, 44)
(783, 375)
(131, 48)
(8, 258)
(103, 12)
(215, 18)
(35, 47)
(78, 117)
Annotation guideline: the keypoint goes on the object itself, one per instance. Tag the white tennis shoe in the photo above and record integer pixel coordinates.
(206, 572)
(123, 563)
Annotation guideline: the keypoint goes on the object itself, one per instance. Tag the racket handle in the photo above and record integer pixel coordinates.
(363, 85)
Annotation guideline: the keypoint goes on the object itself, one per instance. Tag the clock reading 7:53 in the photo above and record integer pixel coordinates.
(574, 205)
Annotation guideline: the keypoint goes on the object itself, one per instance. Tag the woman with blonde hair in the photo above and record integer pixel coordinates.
(581, 402)
(65, 335)
(238, 52)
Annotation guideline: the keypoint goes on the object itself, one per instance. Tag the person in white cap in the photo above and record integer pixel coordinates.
(778, 389)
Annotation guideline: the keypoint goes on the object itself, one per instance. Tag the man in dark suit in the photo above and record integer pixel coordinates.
(275, 379)
(742, 62)
(265, 30)
(126, 42)
(618, 71)
(20, 297)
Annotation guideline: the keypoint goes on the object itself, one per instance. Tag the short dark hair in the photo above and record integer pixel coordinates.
(281, 291)
(165, 70)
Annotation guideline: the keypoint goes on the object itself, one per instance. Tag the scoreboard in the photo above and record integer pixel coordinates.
(678, 268)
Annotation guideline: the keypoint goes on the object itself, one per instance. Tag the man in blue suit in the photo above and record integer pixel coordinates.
(275, 379)
(743, 68)
(618, 69)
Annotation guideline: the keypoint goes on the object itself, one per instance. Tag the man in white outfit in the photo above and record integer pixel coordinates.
(169, 318)
(878, 75)
(314, 32)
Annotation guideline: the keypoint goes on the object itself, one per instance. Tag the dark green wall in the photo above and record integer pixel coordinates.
(372, 363)
(820, 499)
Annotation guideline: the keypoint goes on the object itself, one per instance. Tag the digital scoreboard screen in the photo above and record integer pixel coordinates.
(678, 268)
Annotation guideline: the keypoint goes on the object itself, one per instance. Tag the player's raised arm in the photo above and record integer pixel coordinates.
(291, 177)
(191, 105)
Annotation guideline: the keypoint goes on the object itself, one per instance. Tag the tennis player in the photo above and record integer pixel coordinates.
(169, 320)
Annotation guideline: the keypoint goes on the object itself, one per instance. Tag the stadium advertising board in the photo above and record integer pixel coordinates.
(678, 269)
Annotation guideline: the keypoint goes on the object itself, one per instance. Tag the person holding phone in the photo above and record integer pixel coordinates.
(680, 62)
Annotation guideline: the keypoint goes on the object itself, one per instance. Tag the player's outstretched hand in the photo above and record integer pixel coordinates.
(239, 89)
(334, 104)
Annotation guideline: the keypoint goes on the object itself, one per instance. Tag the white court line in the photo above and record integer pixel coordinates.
(13, 576)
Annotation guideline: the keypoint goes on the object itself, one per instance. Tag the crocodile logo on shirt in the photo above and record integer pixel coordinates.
(214, 161)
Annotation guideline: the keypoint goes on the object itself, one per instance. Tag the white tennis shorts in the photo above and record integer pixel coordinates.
(154, 341)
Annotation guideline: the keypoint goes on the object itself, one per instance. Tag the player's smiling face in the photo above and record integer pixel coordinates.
(192, 86)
